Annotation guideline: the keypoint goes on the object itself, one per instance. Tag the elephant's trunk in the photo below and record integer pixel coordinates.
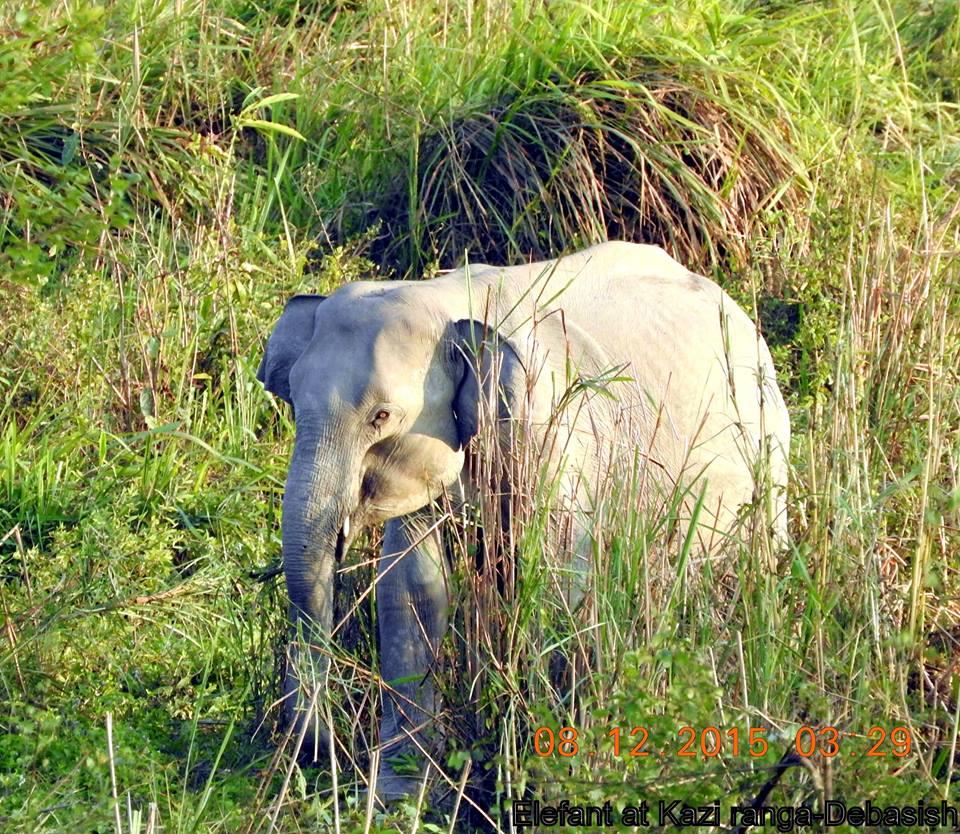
(316, 503)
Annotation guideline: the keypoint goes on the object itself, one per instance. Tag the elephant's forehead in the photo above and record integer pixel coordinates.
(400, 367)
(366, 351)
(364, 315)
(384, 328)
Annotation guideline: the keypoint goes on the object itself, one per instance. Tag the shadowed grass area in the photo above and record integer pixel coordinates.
(171, 171)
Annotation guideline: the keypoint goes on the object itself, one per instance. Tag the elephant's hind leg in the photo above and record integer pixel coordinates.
(412, 604)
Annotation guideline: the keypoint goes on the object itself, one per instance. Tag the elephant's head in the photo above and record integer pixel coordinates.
(386, 392)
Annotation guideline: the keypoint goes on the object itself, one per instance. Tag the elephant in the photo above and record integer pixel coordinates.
(390, 381)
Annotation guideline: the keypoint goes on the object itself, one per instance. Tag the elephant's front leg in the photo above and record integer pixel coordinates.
(412, 604)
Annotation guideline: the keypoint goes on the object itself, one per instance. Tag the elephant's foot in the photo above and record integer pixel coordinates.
(405, 756)
(392, 786)
(315, 747)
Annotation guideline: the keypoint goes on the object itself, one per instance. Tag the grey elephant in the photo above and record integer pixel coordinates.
(389, 382)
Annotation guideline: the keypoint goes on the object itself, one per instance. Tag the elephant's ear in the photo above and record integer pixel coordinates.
(290, 336)
(488, 371)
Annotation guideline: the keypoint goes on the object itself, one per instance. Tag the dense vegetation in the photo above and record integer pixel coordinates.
(172, 170)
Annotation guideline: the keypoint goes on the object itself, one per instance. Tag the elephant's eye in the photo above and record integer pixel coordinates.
(381, 417)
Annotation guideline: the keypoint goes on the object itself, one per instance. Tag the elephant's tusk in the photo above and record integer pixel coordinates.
(346, 528)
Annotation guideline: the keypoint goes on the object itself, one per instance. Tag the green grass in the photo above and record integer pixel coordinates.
(161, 195)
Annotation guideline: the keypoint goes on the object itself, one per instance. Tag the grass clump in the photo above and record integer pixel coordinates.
(655, 153)
(619, 128)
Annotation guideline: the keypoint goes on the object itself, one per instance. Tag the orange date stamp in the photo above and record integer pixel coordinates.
(713, 742)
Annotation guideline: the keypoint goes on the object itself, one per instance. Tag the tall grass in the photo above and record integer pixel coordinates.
(157, 205)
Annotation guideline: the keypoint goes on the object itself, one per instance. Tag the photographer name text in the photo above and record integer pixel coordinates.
(531, 813)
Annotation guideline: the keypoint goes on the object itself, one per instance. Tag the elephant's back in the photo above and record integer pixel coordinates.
(700, 367)
(684, 338)
(700, 394)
